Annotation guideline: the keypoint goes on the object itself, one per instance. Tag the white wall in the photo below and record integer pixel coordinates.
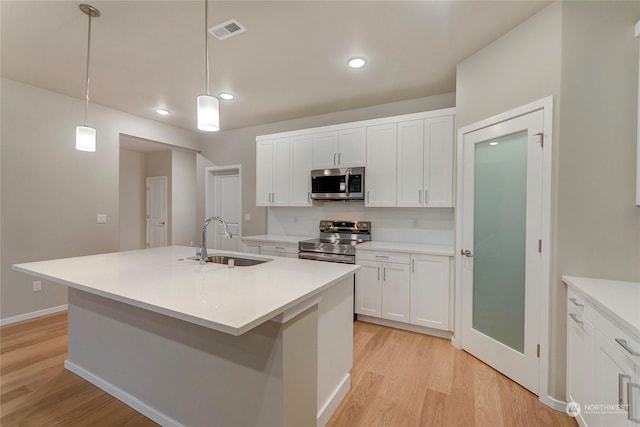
(183, 201)
(585, 55)
(51, 192)
(238, 146)
(132, 197)
(434, 226)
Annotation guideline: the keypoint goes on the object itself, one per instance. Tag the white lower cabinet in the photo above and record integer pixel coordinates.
(603, 374)
(430, 287)
(287, 250)
(404, 287)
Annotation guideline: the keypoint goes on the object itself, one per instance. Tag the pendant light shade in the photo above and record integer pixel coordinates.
(208, 113)
(207, 106)
(85, 138)
(86, 135)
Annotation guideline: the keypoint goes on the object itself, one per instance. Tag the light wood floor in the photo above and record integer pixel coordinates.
(399, 379)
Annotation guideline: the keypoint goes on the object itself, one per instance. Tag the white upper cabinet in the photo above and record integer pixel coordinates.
(264, 172)
(438, 161)
(352, 148)
(273, 172)
(325, 150)
(339, 149)
(425, 162)
(410, 189)
(380, 174)
(301, 165)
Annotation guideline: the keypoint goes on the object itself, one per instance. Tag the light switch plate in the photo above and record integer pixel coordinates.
(37, 286)
(101, 219)
(247, 217)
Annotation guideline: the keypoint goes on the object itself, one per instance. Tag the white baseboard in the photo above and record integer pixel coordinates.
(558, 405)
(406, 326)
(32, 315)
(123, 396)
(325, 413)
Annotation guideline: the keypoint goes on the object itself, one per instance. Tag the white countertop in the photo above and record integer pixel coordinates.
(275, 238)
(416, 248)
(620, 300)
(212, 295)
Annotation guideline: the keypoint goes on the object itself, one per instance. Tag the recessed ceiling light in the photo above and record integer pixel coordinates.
(493, 143)
(227, 96)
(356, 62)
(162, 112)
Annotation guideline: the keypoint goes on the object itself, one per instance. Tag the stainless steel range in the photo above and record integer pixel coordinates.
(337, 241)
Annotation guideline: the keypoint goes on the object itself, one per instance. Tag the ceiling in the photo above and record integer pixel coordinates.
(290, 63)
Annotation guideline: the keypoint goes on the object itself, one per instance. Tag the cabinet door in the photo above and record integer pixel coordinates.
(300, 178)
(264, 172)
(410, 163)
(325, 150)
(612, 383)
(352, 147)
(380, 181)
(581, 365)
(438, 162)
(281, 172)
(396, 292)
(368, 288)
(251, 248)
(430, 291)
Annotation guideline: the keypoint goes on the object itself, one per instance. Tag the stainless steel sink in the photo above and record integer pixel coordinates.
(237, 261)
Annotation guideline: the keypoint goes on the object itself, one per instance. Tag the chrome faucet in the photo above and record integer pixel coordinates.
(203, 249)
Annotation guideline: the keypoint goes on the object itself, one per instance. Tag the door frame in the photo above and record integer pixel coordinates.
(546, 105)
(209, 176)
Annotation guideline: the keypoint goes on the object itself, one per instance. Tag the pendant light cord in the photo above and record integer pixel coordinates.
(206, 42)
(86, 92)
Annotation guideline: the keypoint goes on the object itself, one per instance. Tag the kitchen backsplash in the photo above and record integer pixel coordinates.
(412, 225)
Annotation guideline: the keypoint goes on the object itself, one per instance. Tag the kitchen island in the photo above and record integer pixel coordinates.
(207, 345)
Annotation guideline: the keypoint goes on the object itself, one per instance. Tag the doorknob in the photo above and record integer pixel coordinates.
(162, 223)
(466, 252)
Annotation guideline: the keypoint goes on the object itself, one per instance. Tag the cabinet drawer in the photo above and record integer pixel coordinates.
(627, 344)
(578, 306)
(397, 257)
(280, 247)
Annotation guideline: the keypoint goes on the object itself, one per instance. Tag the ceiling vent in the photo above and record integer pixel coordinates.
(227, 29)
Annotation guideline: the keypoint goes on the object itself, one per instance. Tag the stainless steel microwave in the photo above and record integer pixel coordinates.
(337, 184)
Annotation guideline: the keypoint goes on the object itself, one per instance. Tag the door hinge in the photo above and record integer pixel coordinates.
(147, 188)
(540, 136)
(538, 351)
(147, 216)
(540, 246)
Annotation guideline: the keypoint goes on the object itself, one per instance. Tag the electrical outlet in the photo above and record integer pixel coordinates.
(37, 285)
(101, 219)
(247, 217)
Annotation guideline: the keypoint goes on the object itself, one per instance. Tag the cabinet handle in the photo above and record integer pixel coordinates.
(575, 318)
(413, 265)
(382, 257)
(309, 197)
(426, 197)
(378, 273)
(631, 412)
(621, 378)
(367, 196)
(339, 158)
(334, 159)
(280, 247)
(575, 302)
(419, 196)
(384, 274)
(626, 346)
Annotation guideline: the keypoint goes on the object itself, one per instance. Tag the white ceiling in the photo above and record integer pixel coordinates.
(290, 63)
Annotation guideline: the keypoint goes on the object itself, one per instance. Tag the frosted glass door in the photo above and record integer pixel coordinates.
(500, 259)
(499, 239)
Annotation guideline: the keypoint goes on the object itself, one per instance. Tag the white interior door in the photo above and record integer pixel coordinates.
(224, 199)
(156, 211)
(500, 246)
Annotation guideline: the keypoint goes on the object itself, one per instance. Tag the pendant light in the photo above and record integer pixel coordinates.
(208, 107)
(86, 135)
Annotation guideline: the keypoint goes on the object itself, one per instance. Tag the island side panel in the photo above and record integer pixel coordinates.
(179, 373)
(335, 347)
